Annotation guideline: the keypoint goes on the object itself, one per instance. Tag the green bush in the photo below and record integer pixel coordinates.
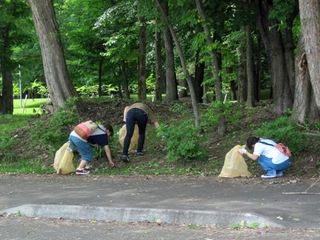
(231, 111)
(284, 130)
(54, 132)
(182, 142)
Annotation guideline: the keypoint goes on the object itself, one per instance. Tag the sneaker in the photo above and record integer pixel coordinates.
(279, 174)
(82, 172)
(139, 154)
(125, 158)
(268, 176)
(87, 168)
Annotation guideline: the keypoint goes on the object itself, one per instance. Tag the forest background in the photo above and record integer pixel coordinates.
(214, 71)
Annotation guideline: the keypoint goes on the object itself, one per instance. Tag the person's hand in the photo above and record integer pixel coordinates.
(156, 124)
(242, 151)
(111, 164)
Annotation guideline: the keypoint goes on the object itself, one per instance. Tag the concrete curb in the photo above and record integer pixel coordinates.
(170, 216)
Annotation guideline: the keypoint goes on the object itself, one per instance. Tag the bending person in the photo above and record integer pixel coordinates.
(269, 157)
(140, 114)
(83, 146)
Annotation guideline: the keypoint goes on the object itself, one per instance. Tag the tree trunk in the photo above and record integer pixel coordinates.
(142, 91)
(158, 71)
(6, 105)
(249, 67)
(125, 82)
(198, 79)
(100, 77)
(282, 97)
(171, 81)
(184, 66)
(242, 76)
(214, 55)
(310, 22)
(55, 68)
(304, 108)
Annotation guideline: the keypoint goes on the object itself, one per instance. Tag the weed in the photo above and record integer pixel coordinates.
(283, 129)
(182, 142)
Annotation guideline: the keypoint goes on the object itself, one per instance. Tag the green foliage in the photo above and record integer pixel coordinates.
(284, 130)
(183, 142)
(231, 111)
(55, 131)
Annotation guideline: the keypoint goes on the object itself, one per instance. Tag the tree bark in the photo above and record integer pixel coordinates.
(249, 67)
(310, 22)
(100, 77)
(125, 82)
(158, 70)
(214, 55)
(304, 108)
(282, 96)
(198, 78)
(195, 107)
(142, 91)
(55, 68)
(6, 105)
(242, 75)
(171, 81)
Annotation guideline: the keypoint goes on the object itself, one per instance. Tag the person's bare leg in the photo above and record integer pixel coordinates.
(82, 164)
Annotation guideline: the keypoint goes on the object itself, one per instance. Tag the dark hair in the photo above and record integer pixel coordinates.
(109, 127)
(251, 141)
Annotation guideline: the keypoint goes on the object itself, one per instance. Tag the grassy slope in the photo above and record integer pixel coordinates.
(32, 148)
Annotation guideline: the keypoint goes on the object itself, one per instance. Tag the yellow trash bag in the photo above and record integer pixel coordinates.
(134, 139)
(234, 164)
(63, 160)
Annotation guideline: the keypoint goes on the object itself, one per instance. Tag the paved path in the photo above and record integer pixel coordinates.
(204, 200)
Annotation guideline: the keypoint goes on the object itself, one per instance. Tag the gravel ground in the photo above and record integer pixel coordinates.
(16, 228)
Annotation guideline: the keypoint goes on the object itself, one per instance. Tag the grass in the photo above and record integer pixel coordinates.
(28, 144)
(28, 106)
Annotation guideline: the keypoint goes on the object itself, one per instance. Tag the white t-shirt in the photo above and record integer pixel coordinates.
(269, 151)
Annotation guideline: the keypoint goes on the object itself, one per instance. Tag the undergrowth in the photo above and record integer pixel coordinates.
(28, 144)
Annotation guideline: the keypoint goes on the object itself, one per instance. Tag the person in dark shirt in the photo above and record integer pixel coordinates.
(140, 114)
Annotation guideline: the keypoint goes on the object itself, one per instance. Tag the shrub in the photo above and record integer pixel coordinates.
(284, 130)
(182, 142)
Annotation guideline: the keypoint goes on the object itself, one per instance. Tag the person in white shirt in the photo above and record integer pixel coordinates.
(269, 157)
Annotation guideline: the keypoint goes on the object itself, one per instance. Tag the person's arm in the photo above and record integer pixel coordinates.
(252, 156)
(109, 156)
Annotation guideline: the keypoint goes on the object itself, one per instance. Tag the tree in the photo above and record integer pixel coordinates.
(277, 53)
(55, 68)
(304, 108)
(310, 22)
(216, 66)
(183, 64)
(171, 81)
(142, 92)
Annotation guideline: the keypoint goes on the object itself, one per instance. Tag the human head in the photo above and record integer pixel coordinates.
(109, 130)
(252, 141)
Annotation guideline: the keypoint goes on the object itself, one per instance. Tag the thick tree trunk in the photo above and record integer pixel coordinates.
(55, 68)
(214, 55)
(158, 72)
(195, 107)
(6, 105)
(171, 81)
(198, 79)
(142, 91)
(249, 67)
(282, 97)
(310, 22)
(304, 108)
